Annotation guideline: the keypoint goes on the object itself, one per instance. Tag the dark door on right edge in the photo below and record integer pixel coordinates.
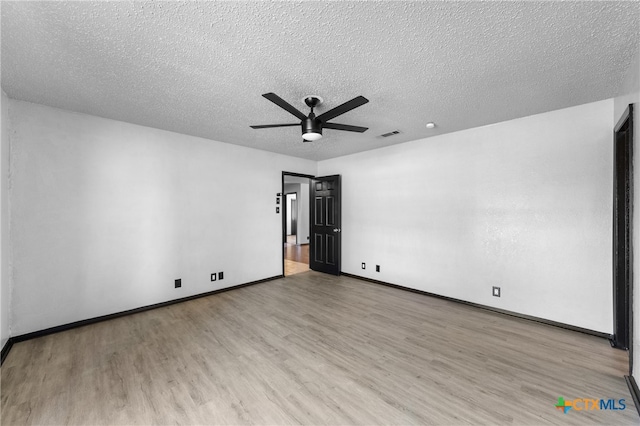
(622, 232)
(325, 247)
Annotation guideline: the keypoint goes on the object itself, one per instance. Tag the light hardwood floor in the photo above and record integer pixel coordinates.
(313, 349)
(292, 267)
(296, 258)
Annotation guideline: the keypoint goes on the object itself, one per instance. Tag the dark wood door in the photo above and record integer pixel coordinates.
(325, 247)
(622, 232)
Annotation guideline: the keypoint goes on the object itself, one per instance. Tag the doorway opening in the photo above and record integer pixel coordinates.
(622, 235)
(295, 222)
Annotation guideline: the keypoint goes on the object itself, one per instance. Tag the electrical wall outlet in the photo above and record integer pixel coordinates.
(214, 276)
(496, 291)
(178, 283)
(377, 268)
(221, 275)
(364, 265)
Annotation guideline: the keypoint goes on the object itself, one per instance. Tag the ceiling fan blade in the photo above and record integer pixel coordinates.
(284, 105)
(341, 109)
(266, 126)
(346, 127)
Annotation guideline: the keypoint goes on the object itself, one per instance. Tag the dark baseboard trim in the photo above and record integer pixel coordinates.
(65, 327)
(633, 389)
(5, 350)
(488, 308)
(614, 344)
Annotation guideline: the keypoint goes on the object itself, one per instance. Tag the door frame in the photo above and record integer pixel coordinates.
(623, 297)
(283, 203)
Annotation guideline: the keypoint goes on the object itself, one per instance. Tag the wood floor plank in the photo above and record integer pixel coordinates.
(291, 267)
(312, 349)
(296, 258)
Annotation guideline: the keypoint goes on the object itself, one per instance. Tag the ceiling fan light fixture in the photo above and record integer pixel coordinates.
(311, 136)
(311, 129)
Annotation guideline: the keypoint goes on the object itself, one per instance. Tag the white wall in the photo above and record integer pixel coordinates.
(5, 283)
(524, 205)
(105, 215)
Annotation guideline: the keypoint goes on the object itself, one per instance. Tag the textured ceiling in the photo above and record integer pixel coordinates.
(200, 68)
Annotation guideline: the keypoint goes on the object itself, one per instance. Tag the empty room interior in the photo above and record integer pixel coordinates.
(319, 212)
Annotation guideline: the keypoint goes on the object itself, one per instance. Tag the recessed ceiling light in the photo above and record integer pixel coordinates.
(431, 125)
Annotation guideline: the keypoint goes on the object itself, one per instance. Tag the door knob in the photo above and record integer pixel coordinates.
(336, 229)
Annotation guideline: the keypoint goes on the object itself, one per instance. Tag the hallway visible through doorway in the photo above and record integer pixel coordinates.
(296, 256)
(295, 222)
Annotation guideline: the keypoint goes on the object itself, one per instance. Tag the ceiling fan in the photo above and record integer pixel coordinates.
(311, 125)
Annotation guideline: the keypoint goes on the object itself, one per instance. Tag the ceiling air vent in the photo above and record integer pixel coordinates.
(386, 135)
